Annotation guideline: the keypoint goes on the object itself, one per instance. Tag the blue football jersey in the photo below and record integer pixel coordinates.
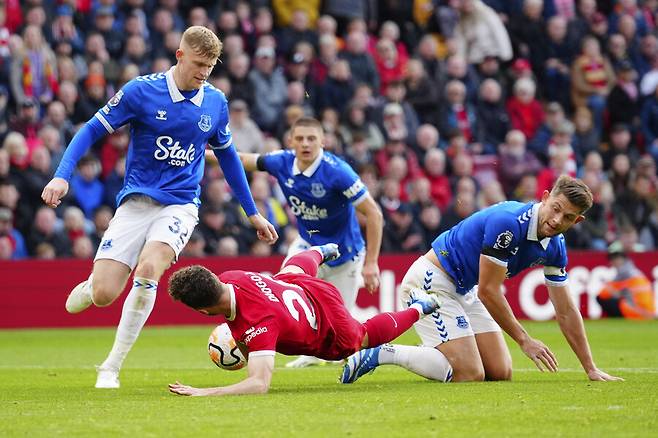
(169, 133)
(507, 234)
(322, 197)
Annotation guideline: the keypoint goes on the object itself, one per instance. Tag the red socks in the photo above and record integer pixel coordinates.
(308, 261)
(387, 326)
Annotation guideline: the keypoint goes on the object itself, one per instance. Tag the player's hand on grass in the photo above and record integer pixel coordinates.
(601, 376)
(264, 230)
(180, 389)
(54, 191)
(370, 274)
(540, 354)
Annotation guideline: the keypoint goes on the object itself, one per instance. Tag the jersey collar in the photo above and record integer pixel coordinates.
(532, 227)
(310, 170)
(175, 93)
(231, 294)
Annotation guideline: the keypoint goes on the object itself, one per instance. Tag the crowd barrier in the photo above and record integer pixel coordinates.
(33, 292)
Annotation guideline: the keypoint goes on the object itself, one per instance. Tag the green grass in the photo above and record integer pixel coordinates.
(47, 378)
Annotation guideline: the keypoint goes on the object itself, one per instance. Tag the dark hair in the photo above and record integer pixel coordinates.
(195, 286)
(575, 191)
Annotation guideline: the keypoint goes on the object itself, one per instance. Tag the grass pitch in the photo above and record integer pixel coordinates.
(47, 378)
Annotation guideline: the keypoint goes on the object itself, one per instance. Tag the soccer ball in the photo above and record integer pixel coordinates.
(223, 350)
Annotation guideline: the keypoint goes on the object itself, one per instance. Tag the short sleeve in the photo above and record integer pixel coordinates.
(121, 108)
(555, 270)
(261, 338)
(273, 162)
(349, 183)
(501, 237)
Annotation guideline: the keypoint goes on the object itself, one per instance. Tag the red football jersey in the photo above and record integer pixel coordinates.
(292, 314)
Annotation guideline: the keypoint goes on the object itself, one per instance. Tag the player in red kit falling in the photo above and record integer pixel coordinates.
(292, 313)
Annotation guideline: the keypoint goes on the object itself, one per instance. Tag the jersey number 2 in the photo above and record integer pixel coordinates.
(289, 298)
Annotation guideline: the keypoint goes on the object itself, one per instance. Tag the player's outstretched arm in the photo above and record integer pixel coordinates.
(249, 161)
(58, 187)
(258, 382)
(491, 280)
(374, 226)
(571, 324)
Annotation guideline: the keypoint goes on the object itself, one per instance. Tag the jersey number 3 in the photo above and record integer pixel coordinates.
(289, 299)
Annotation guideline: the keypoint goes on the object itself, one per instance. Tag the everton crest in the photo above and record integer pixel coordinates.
(461, 322)
(205, 123)
(317, 190)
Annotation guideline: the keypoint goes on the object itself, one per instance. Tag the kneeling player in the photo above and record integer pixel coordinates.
(292, 312)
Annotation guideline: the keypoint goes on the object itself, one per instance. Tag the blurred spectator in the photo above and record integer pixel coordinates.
(397, 148)
(592, 78)
(649, 123)
(27, 122)
(491, 193)
(56, 117)
(393, 100)
(327, 56)
(14, 242)
(227, 246)
(429, 220)
(422, 92)
(241, 87)
(556, 57)
(480, 33)
(390, 66)
(458, 114)
(515, 161)
(75, 224)
(269, 85)
(33, 72)
(104, 24)
(427, 138)
(462, 207)
(527, 32)
(17, 150)
(492, 118)
(525, 112)
(621, 142)
(434, 167)
(338, 87)
(623, 103)
(35, 177)
(44, 231)
(86, 186)
(356, 124)
(585, 138)
(82, 248)
(526, 190)
(246, 135)
(298, 27)
(638, 207)
(361, 63)
(102, 217)
(401, 232)
(9, 198)
(630, 293)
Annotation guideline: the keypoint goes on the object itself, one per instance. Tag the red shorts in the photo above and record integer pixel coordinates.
(339, 335)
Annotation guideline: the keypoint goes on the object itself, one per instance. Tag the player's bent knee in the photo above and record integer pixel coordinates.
(102, 295)
(468, 374)
(500, 373)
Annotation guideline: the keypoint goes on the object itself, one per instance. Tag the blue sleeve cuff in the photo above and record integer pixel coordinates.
(230, 163)
(90, 133)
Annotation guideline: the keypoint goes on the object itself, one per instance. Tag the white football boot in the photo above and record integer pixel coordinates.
(80, 297)
(108, 378)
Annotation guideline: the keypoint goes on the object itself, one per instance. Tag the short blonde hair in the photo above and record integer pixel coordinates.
(575, 190)
(203, 41)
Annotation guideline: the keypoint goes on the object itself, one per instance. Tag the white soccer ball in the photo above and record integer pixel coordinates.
(223, 350)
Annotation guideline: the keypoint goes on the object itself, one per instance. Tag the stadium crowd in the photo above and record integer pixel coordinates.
(442, 108)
